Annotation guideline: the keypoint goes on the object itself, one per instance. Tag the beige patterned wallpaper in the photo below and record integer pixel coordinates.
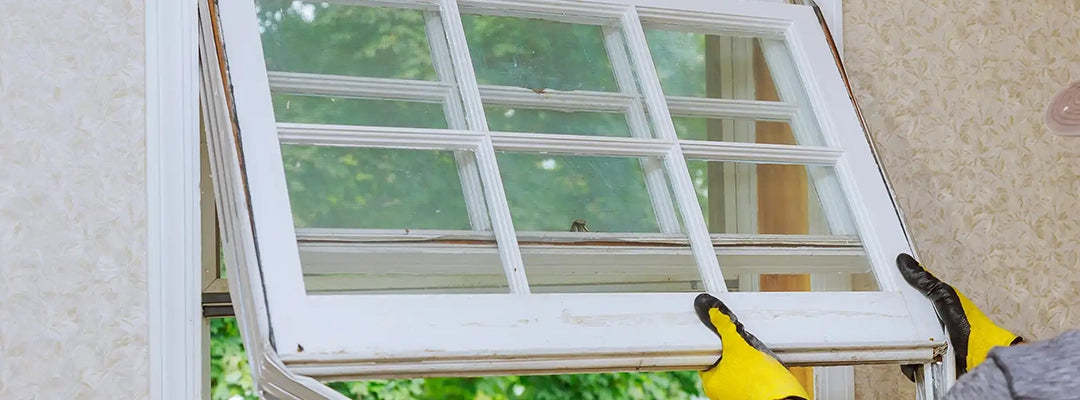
(953, 91)
(73, 318)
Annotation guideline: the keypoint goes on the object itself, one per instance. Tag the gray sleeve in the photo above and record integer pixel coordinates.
(1043, 370)
(985, 381)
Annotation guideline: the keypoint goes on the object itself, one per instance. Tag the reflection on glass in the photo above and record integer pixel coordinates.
(538, 54)
(509, 119)
(613, 270)
(722, 67)
(770, 198)
(351, 111)
(385, 270)
(323, 38)
(334, 187)
(791, 203)
(549, 192)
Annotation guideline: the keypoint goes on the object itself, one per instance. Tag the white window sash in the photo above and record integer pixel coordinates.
(335, 337)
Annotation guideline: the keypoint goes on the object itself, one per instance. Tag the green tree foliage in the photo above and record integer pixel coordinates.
(363, 188)
(231, 380)
(419, 189)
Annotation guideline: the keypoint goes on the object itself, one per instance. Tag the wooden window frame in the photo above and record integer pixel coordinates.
(903, 320)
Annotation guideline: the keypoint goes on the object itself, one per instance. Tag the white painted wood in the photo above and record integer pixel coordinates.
(336, 235)
(499, 211)
(682, 186)
(371, 136)
(566, 365)
(589, 261)
(834, 383)
(451, 139)
(577, 100)
(837, 382)
(173, 214)
(271, 214)
(568, 11)
(655, 179)
(560, 100)
(588, 326)
(556, 332)
(471, 184)
(237, 231)
(861, 178)
(359, 87)
(759, 153)
(728, 108)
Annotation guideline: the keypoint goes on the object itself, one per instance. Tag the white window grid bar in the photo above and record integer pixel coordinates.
(498, 207)
(655, 180)
(551, 99)
(468, 173)
(678, 170)
(578, 100)
(739, 183)
(735, 109)
(660, 16)
(803, 127)
(452, 139)
(389, 267)
(719, 240)
(568, 11)
(679, 173)
(359, 87)
(427, 5)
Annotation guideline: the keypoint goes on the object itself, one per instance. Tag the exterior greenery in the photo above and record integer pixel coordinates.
(231, 380)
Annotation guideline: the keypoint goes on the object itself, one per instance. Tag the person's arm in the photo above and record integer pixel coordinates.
(1043, 370)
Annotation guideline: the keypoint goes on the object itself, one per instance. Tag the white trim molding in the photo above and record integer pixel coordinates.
(173, 218)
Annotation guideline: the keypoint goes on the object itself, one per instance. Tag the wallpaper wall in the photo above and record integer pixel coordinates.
(953, 91)
(73, 310)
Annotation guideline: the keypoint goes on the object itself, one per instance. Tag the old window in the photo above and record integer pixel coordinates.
(452, 188)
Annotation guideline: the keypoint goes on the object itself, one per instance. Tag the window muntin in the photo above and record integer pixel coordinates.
(658, 324)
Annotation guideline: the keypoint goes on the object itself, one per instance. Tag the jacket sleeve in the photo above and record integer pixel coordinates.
(1042, 370)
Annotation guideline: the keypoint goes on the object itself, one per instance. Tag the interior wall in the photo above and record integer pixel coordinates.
(953, 91)
(73, 300)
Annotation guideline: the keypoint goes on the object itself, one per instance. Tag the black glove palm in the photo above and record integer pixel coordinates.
(972, 333)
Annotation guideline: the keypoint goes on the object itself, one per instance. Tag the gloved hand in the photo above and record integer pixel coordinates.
(971, 332)
(746, 369)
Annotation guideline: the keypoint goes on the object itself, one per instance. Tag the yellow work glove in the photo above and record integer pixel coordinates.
(971, 332)
(746, 369)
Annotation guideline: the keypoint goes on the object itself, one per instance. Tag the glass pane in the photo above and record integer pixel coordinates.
(317, 37)
(751, 198)
(538, 54)
(549, 192)
(352, 111)
(812, 240)
(509, 119)
(589, 224)
(382, 267)
(374, 188)
(407, 193)
(721, 67)
(742, 130)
